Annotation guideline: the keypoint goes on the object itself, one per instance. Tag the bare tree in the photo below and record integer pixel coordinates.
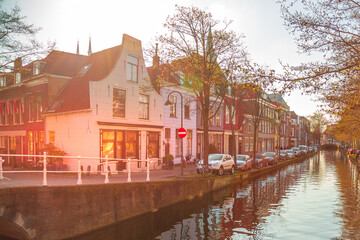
(17, 38)
(198, 50)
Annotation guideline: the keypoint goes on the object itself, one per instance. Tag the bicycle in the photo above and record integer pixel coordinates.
(202, 169)
(155, 164)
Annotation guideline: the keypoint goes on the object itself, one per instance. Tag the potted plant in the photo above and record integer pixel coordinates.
(54, 163)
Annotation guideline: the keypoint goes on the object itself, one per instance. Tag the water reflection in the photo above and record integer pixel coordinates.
(315, 199)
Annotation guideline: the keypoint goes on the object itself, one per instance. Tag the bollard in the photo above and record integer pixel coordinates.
(148, 170)
(129, 171)
(79, 181)
(106, 170)
(44, 171)
(1, 169)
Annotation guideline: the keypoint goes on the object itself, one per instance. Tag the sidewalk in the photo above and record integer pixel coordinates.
(61, 179)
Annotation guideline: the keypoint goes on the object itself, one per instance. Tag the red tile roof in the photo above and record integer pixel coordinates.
(75, 95)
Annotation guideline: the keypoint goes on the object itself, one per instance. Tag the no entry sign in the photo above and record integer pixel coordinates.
(182, 132)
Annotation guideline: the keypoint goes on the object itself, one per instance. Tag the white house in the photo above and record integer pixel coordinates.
(110, 108)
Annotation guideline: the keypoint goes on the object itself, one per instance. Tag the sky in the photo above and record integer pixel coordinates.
(69, 21)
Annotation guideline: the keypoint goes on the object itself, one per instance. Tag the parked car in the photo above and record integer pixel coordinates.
(290, 153)
(303, 149)
(272, 158)
(260, 160)
(315, 148)
(296, 151)
(218, 163)
(283, 155)
(310, 149)
(244, 162)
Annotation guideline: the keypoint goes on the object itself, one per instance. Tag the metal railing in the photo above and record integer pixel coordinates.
(103, 161)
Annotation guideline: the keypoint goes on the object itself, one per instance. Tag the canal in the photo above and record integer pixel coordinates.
(317, 198)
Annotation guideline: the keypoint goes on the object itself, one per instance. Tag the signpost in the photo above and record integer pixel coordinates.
(182, 132)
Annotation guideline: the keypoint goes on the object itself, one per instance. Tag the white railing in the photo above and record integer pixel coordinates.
(103, 161)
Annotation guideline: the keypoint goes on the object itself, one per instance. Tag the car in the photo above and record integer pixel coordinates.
(303, 149)
(311, 149)
(218, 163)
(244, 162)
(290, 153)
(296, 151)
(283, 155)
(272, 158)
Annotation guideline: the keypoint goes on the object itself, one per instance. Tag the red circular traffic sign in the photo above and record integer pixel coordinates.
(182, 132)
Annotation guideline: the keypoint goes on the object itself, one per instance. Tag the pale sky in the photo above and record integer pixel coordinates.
(67, 21)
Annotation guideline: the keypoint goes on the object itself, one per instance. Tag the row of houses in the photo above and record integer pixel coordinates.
(106, 104)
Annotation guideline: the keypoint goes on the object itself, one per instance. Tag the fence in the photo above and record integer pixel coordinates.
(103, 161)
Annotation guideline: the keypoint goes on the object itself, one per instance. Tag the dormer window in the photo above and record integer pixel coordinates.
(84, 69)
(2, 81)
(17, 77)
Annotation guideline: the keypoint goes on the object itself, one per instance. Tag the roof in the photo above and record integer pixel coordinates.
(76, 95)
(61, 63)
(279, 99)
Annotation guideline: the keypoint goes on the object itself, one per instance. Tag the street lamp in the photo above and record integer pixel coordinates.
(168, 103)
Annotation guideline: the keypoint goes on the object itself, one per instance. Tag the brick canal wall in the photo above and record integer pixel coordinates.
(65, 211)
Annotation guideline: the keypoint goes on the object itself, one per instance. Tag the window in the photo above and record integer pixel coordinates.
(143, 106)
(251, 144)
(17, 78)
(2, 141)
(211, 118)
(189, 142)
(31, 143)
(3, 111)
(187, 109)
(251, 128)
(132, 144)
(10, 110)
(246, 144)
(132, 69)
(167, 132)
(234, 115)
(119, 144)
(153, 144)
(2, 81)
(292, 132)
(227, 114)
(218, 118)
(39, 107)
(173, 106)
(119, 97)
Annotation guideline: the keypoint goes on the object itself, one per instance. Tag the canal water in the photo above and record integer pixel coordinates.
(318, 198)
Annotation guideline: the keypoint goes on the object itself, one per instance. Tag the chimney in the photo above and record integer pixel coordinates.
(17, 65)
(89, 51)
(156, 58)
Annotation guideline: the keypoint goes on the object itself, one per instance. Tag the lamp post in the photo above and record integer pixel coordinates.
(168, 103)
